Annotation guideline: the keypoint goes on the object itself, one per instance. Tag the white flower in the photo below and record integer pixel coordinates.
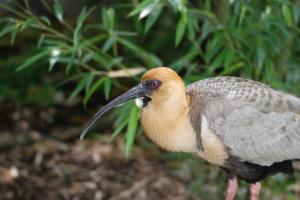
(55, 52)
(268, 10)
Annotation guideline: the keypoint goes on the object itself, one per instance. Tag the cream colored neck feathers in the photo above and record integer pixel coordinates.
(165, 119)
(166, 122)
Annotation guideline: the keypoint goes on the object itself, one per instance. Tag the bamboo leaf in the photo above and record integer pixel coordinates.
(296, 13)
(178, 5)
(71, 60)
(7, 30)
(229, 58)
(151, 59)
(148, 9)
(28, 23)
(84, 14)
(33, 60)
(87, 57)
(119, 129)
(91, 91)
(260, 56)
(93, 40)
(77, 36)
(151, 19)
(111, 18)
(107, 87)
(122, 112)
(108, 18)
(140, 7)
(213, 46)
(109, 43)
(192, 28)
(218, 60)
(46, 20)
(180, 30)
(286, 12)
(41, 40)
(207, 28)
(242, 15)
(46, 5)
(269, 68)
(89, 81)
(80, 86)
(13, 36)
(58, 9)
(232, 69)
(131, 129)
(82, 17)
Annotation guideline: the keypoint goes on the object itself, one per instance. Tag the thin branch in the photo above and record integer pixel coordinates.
(116, 73)
(9, 9)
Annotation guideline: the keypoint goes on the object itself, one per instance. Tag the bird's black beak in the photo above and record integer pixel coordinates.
(140, 90)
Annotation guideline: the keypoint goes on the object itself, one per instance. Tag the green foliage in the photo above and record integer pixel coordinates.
(254, 39)
(28, 86)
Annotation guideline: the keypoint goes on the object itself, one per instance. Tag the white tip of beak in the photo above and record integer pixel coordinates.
(139, 102)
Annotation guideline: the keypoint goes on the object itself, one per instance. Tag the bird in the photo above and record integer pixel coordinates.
(245, 127)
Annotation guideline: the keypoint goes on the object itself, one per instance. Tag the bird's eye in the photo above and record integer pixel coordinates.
(155, 84)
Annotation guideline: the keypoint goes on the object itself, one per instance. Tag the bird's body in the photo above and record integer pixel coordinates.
(247, 128)
(258, 126)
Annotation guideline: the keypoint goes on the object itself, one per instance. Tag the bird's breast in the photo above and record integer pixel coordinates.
(169, 134)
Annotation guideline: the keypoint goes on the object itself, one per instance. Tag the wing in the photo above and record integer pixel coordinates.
(257, 123)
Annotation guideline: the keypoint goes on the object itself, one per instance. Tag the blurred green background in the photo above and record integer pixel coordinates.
(62, 60)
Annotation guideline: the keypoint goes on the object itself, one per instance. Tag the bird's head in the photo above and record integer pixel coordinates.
(163, 83)
(155, 89)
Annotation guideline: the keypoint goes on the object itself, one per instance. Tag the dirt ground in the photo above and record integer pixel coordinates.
(84, 170)
(50, 162)
(41, 157)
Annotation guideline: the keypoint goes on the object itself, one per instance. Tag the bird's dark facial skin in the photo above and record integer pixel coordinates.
(146, 100)
(144, 89)
(151, 85)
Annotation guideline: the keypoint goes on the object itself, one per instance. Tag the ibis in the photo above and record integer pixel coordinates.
(247, 128)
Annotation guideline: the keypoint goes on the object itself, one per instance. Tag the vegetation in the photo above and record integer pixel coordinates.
(253, 39)
(107, 47)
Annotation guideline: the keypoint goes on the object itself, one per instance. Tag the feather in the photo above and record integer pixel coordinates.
(256, 123)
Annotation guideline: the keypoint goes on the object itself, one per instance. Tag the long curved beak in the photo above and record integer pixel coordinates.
(135, 92)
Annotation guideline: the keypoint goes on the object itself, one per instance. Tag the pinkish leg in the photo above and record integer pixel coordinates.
(232, 188)
(254, 189)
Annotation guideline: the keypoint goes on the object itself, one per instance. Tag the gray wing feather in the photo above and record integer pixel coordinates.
(257, 123)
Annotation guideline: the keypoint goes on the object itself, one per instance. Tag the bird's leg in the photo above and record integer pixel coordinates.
(254, 189)
(232, 188)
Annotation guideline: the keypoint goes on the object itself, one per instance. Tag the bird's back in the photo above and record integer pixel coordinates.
(245, 91)
(255, 122)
